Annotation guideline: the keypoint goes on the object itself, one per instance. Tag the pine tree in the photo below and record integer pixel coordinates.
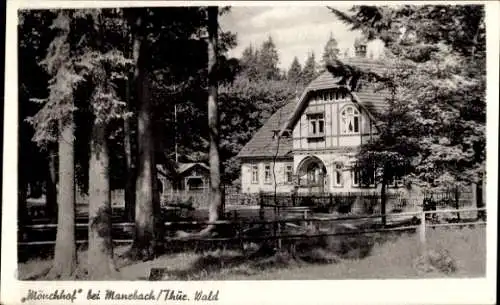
(213, 116)
(54, 123)
(100, 64)
(295, 71)
(330, 53)
(268, 59)
(145, 218)
(310, 70)
(249, 62)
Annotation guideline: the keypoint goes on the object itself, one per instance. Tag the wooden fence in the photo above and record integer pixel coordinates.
(276, 227)
(355, 203)
(369, 203)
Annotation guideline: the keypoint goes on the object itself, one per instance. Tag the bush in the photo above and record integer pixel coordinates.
(436, 261)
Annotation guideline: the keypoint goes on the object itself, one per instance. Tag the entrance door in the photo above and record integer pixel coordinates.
(312, 175)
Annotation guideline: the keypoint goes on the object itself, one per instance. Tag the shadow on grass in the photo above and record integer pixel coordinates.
(266, 257)
(223, 257)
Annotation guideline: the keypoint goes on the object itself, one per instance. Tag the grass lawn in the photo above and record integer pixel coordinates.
(360, 257)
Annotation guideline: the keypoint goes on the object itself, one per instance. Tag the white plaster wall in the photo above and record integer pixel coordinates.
(279, 170)
(352, 140)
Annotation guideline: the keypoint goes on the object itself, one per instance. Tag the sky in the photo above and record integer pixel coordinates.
(296, 30)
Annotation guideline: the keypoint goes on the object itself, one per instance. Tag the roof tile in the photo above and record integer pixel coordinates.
(264, 145)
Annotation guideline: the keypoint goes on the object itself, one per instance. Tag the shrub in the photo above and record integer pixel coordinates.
(436, 261)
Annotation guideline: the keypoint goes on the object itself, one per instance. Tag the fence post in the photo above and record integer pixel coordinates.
(457, 202)
(278, 227)
(261, 204)
(238, 230)
(223, 200)
(274, 225)
(421, 229)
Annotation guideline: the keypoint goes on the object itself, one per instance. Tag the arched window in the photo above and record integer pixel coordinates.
(350, 120)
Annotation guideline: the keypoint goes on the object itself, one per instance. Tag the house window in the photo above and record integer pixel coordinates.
(267, 174)
(289, 174)
(363, 178)
(316, 125)
(350, 120)
(337, 176)
(368, 178)
(355, 177)
(255, 174)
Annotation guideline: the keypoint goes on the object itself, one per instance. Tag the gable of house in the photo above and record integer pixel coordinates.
(264, 144)
(366, 99)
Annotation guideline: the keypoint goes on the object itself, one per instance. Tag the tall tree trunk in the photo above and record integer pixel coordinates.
(51, 189)
(213, 116)
(128, 127)
(65, 250)
(100, 254)
(145, 218)
(213, 127)
(144, 213)
(130, 164)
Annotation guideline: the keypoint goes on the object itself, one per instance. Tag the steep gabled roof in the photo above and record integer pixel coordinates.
(186, 166)
(366, 64)
(264, 144)
(366, 95)
(180, 168)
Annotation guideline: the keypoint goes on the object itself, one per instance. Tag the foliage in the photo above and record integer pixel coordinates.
(245, 106)
(330, 52)
(59, 64)
(436, 119)
(96, 57)
(310, 70)
(249, 62)
(34, 38)
(261, 63)
(295, 72)
(268, 60)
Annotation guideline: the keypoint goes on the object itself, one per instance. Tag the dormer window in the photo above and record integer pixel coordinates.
(316, 124)
(350, 120)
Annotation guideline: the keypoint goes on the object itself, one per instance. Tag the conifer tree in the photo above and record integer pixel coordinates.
(268, 59)
(330, 53)
(310, 70)
(54, 123)
(295, 71)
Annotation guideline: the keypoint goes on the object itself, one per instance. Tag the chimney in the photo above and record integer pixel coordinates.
(360, 47)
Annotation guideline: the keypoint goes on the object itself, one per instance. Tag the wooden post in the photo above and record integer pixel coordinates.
(421, 229)
(279, 229)
(457, 202)
(308, 223)
(474, 198)
(238, 230)
(261, 204)
(274, 227)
